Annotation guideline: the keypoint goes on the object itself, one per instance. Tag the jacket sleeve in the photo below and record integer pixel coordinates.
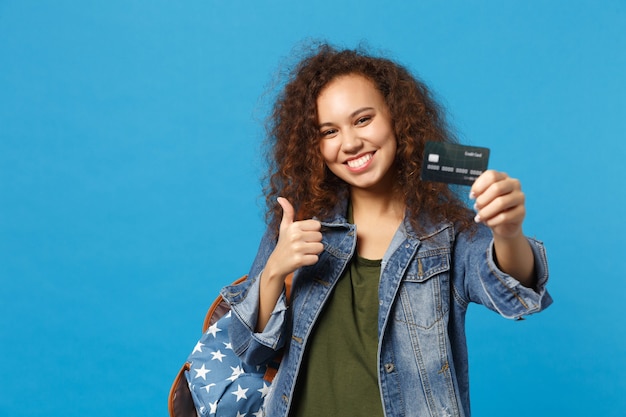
(478, 279)
(252, 347)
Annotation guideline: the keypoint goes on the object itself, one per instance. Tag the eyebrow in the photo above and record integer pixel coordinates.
(353, 114)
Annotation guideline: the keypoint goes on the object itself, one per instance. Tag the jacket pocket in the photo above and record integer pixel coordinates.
(424, 297)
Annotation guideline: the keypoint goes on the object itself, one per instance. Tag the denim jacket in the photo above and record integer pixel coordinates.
(427, 282)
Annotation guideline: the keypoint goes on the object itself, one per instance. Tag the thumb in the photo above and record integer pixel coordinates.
(288, 212)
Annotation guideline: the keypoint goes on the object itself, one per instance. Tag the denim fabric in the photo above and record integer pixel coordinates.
(427, 282)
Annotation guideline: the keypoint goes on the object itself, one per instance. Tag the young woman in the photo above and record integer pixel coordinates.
(384, 265)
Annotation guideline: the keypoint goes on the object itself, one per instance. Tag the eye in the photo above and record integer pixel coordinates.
(363, 120)
(328, 133)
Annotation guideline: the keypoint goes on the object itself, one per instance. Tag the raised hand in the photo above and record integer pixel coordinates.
(299, 242)
(499, 203)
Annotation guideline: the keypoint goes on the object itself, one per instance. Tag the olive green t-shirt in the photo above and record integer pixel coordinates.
(339, 374)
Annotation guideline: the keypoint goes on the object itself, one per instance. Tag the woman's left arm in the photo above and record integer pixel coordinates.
(500, 205)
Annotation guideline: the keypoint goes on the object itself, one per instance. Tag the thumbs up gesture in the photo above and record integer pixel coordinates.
(299, 243)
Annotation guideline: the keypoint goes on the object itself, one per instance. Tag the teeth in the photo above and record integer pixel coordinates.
(359, 162)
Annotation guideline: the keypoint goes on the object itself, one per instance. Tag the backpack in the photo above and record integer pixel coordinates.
(214, 381)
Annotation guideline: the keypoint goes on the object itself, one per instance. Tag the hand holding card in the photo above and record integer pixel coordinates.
(452, 163)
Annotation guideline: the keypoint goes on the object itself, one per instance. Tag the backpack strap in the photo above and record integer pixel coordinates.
(218, 308)
(180, 402)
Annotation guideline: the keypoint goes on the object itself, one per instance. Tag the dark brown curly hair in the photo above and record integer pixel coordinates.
(296, 169)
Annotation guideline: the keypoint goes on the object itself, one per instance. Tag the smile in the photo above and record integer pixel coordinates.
(360, 161)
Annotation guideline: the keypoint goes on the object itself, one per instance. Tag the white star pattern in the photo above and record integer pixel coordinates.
(214, 329)
(198, 348)
(237, 371)
(213, 370)
(240, 393)
(201, 372)
(218, 355)
(265, 390)
(213, 407)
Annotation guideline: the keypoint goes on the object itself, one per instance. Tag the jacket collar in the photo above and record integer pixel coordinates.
(338, 215)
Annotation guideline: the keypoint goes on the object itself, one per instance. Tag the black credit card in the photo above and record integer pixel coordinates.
(452, 163)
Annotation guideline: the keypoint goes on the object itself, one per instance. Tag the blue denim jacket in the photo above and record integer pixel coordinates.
(427, 282)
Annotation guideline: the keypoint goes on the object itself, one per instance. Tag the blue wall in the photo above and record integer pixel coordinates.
(129, 183)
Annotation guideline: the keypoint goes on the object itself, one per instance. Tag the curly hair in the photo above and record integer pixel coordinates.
(296, 169)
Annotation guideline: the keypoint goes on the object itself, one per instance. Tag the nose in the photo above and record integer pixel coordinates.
(351, 142)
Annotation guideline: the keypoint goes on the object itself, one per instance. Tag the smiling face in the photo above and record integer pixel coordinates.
(358, 143)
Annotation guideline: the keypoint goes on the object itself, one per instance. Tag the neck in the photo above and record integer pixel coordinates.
(366, 203)
(377, 217)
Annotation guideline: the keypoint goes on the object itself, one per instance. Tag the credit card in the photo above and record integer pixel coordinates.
(452, 163)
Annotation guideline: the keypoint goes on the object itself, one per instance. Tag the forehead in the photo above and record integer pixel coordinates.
(348, 92)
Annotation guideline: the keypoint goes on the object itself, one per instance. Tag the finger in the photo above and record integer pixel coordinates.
(288, 212)
(295, 234)
(312, 236)
(507, 224)
(309, 259)
(308, 248)
(484, 181)
(513, 216)
(500, 192)
(501, 204)
(310, 226)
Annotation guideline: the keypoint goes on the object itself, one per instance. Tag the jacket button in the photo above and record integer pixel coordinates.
(389, 368)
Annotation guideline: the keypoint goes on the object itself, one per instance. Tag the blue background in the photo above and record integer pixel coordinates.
(130, 193)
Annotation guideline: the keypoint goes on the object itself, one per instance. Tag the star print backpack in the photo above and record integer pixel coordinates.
(214, 382)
